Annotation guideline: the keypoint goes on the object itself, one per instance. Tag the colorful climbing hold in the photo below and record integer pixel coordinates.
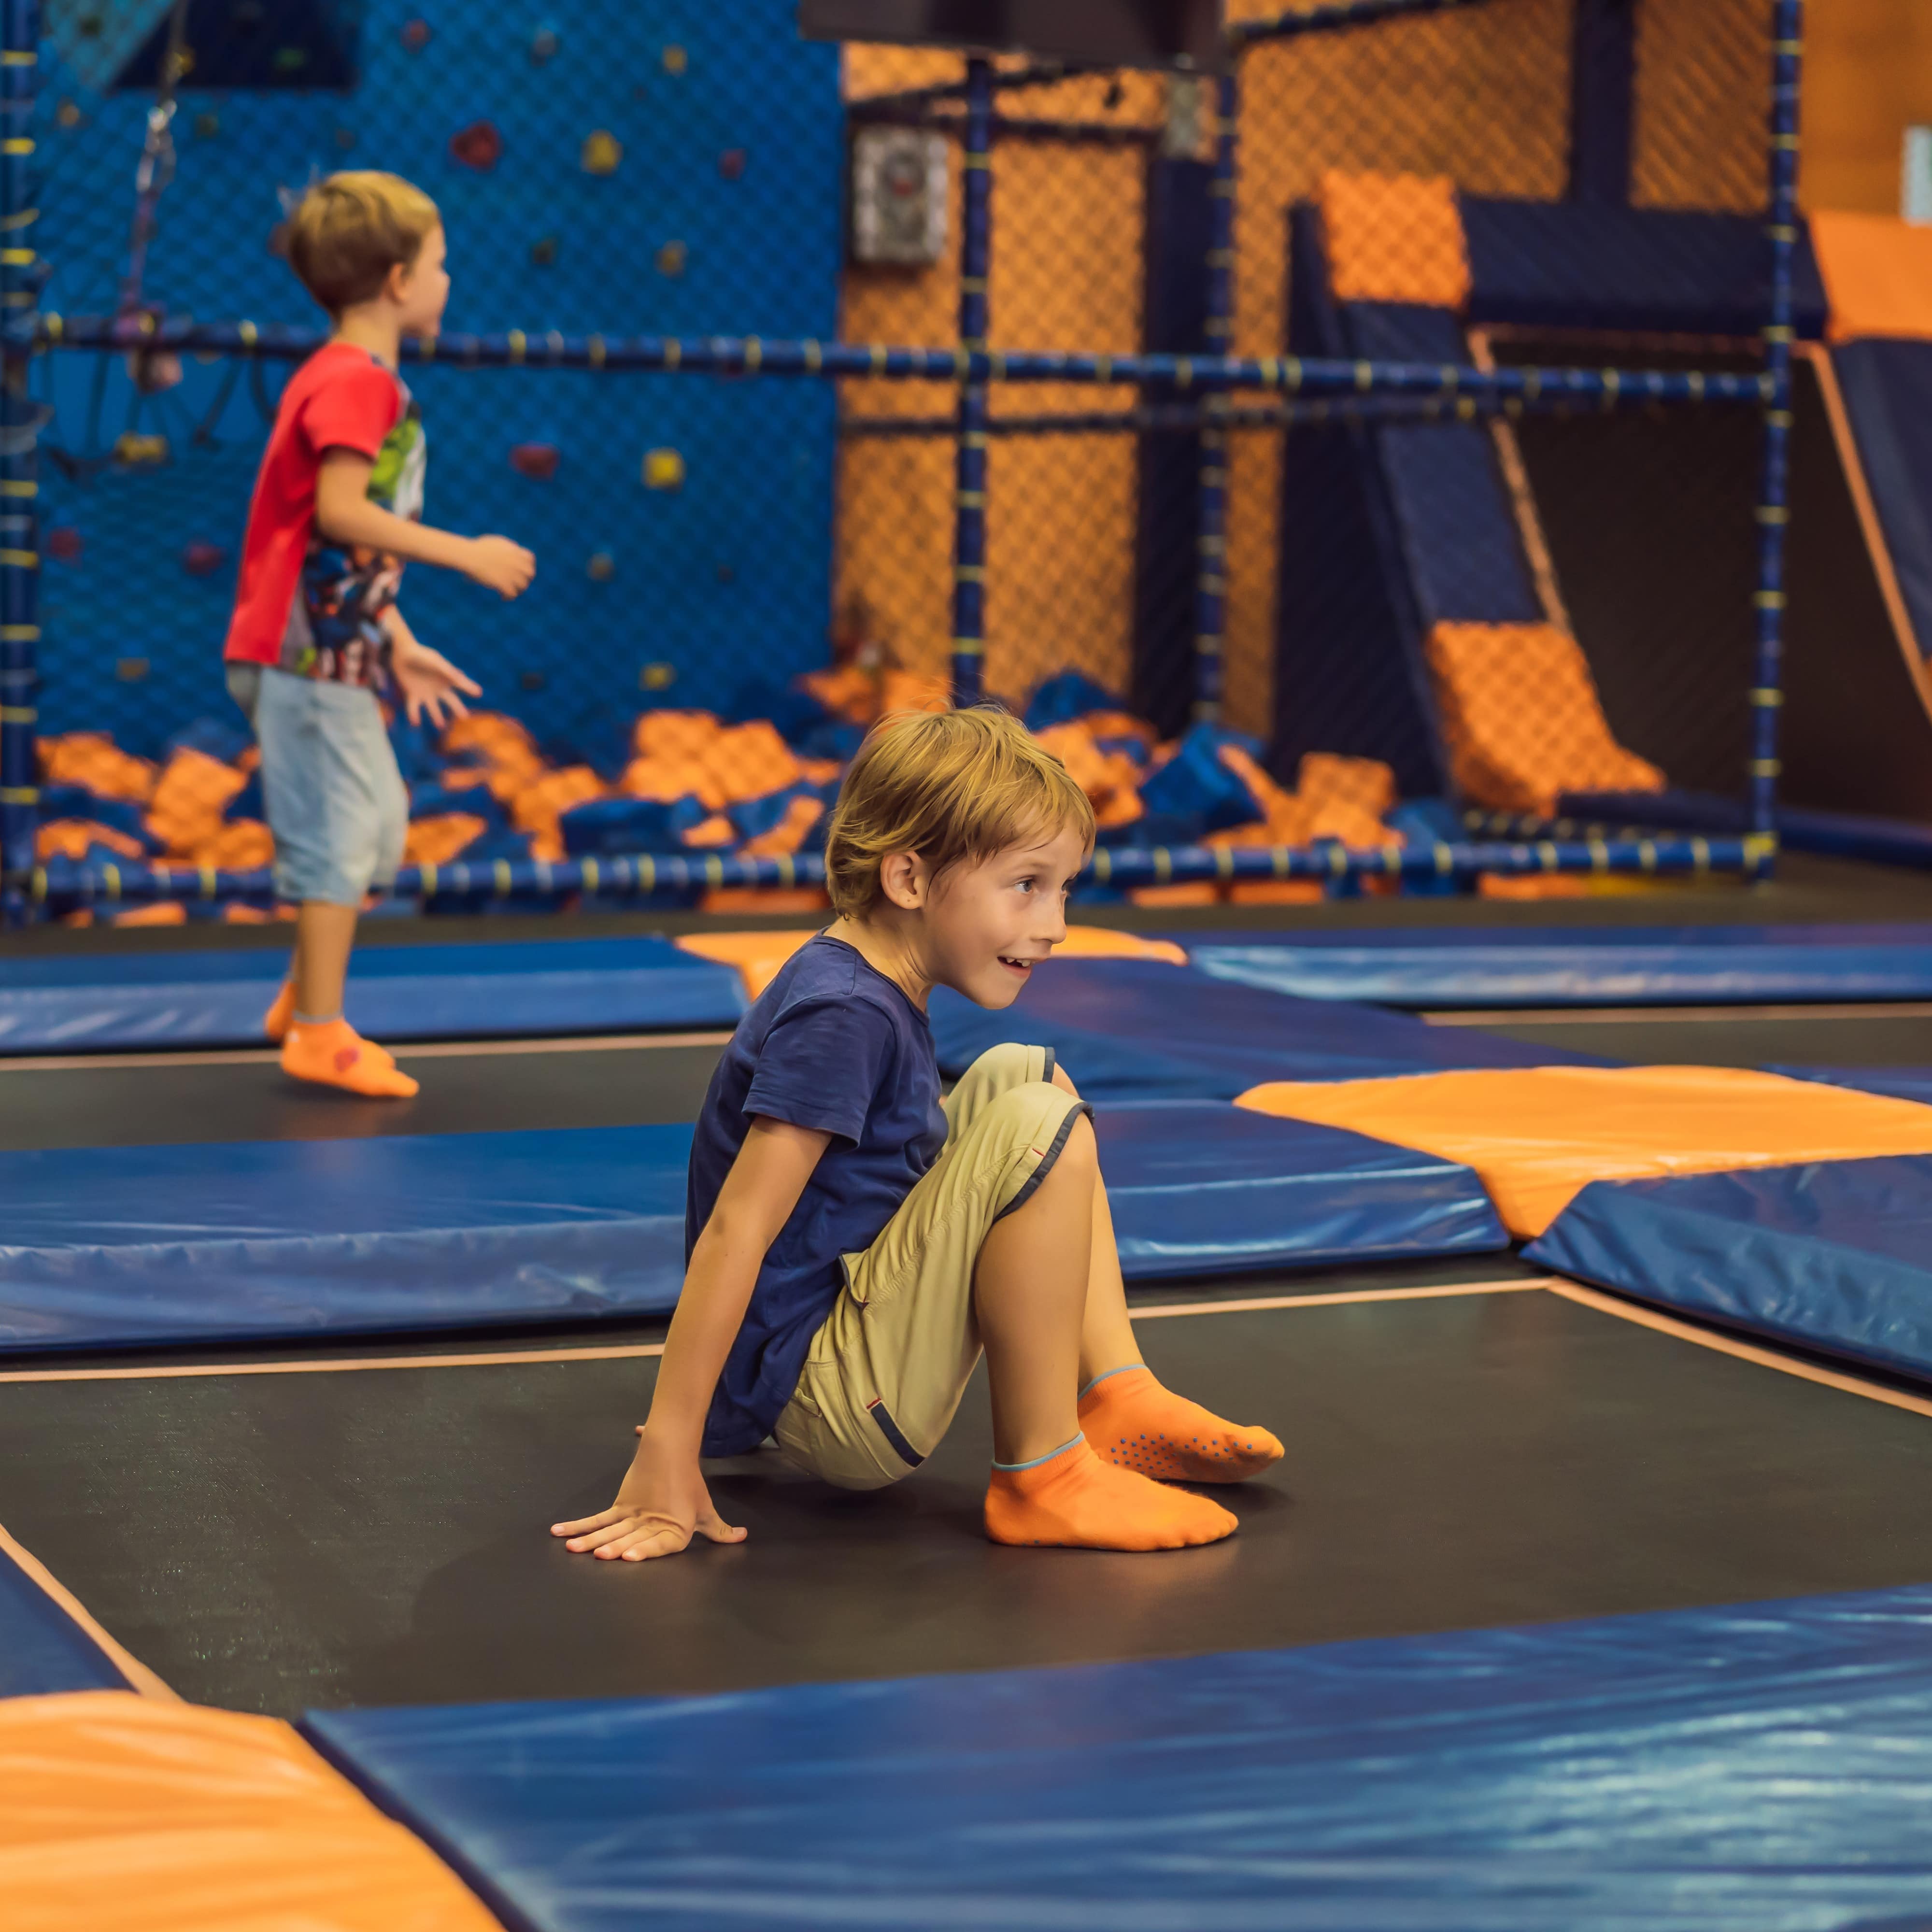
(203, 560)
(543, 251)
(532, 680)
(731, 163)
(602, 151)
(345, 138)
(676, 60)
(602, 566)
(415, 35)
(67, 115)
(664, 469)
(537, 461)
(478, 146)
(544, 44)
(138, 452)
(207, 126)
(131, 671)
(62, 544)
(671, 258)
(657, 677)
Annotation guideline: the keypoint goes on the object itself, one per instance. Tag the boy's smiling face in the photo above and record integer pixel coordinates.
(989, 924)
(421, 291)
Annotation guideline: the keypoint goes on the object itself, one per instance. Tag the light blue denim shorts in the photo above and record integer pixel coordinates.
(335, 800)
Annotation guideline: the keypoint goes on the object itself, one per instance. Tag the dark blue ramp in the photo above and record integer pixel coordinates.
(460, 991)
(117, 1247)
(1887, 387)
(1136, 1029)
(1833, 1255)
(1558, 966)
(1766, 1767)
(42, 1649)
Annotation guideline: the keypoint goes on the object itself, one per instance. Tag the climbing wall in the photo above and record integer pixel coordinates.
(612, 166)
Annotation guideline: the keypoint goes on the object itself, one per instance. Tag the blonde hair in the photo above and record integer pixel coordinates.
(348, 232)
(949, 785)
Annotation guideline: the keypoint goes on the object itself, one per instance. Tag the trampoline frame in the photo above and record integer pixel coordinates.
(30, 889)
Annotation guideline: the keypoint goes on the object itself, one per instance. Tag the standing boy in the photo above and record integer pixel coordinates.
(852, 1243)
(316, 634)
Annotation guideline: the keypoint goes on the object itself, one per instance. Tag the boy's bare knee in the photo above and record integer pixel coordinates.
(1079, 1152)
(1065, 1085)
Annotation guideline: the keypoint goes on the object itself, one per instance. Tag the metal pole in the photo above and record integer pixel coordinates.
(20, 545)
(969, 539)
(1210, 579)
(1787, 23)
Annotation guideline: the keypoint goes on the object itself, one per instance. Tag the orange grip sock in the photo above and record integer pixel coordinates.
(1073, 1500)
(279, 1017)
(335, 1054)
(1132, 1421)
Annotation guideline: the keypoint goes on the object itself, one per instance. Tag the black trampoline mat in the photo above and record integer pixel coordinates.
(272, 1542)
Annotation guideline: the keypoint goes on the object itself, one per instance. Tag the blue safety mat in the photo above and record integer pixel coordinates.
(1833, 1255)
(1579, 966)
(108, 1247)
(42, 1649)
(1136, 1029)
(1766, 1767)
(460, 991)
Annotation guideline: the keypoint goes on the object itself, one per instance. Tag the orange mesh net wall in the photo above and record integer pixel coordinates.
(1394, 238)
(1481, 98)
(1521, 719)
(1703, 96)
(1066, 272)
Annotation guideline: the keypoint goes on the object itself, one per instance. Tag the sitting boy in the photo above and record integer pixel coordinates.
(316, 634)
(852, 1243)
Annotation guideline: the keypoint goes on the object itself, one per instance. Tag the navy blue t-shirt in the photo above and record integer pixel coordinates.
(833, 1045)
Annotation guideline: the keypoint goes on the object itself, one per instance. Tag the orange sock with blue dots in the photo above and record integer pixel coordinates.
(1132, 1421)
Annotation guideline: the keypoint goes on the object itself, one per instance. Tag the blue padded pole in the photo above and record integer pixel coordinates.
(1774, 513)
(20, 545)
(969, 526)
(1210, 582)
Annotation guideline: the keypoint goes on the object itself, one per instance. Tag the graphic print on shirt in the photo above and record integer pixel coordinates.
(335, 631)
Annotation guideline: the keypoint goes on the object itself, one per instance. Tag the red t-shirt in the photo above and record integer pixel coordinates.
(342, 398)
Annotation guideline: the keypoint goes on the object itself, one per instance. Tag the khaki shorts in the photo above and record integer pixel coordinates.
(888, 1367)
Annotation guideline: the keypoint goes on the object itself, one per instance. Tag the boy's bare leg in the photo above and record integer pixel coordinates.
(1031, 1290)
(1126, 1416)
(319, 1045)
(324, 935)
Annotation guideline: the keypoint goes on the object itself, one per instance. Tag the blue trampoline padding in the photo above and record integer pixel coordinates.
(106, 1247)
(1833, 1255)
(463, 991)
(1585, 265)
(42, 1649)
(1765, 1766)
(1887, 387)
(117, 1247)
(1556, 966)
(1196, 1190)
(1136, 1029)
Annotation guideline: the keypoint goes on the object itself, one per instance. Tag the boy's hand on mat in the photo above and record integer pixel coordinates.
(432, 688)
(662, 1504)
(499, 565)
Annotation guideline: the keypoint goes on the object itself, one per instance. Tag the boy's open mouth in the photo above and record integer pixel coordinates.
(1021, 967)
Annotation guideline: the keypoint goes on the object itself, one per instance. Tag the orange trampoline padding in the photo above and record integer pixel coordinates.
(1395, 238)
(1877, 271)
(1535, 1136)
(1521, 720)
(119, 1813)
(758, 956)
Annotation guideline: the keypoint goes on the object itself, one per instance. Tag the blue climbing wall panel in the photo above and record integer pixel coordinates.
(721, 214)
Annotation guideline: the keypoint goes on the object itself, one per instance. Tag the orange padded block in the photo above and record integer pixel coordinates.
(1521, 721)
(121, 1813)
(1535, 1136)
(1878, 274)
(1394, 238)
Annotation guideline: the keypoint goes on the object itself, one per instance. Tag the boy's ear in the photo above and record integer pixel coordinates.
(903, 880)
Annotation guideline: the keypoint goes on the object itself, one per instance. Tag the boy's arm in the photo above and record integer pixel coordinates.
(344, 514)
(663, 1500)
(429, 685)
